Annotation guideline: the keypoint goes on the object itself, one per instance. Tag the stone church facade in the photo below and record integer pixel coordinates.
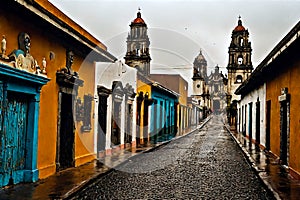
(209, 91)
(217, 91)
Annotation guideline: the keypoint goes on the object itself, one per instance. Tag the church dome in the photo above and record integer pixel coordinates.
(239, 27)
(200, 58)
(138, 19)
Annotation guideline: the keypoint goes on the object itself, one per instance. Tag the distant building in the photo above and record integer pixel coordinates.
(157, 108)
(176, 83)
(200, 88)
(217, 91)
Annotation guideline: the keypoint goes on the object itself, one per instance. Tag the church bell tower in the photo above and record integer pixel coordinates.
(240, 65)
(200, 88)
(137, 54)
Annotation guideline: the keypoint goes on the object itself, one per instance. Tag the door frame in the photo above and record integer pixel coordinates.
(20, 81)
(68, 84)
(58, 147)
(284, 101)
(257, 122)
(103, 94)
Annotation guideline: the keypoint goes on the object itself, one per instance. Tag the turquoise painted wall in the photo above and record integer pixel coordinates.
(163, 112)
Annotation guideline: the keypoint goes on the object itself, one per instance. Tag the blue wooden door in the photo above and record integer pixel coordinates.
(14, 111)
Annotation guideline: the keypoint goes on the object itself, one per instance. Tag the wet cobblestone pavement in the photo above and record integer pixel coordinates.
(205, 164)
(269, 169)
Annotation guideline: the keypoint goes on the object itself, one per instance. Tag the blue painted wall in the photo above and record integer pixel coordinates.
(163, 124)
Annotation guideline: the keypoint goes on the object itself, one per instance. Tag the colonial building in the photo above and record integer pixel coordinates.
(217, 91)
(157, 108)
(269, 109)
(53, 128)
(239, 65)
(163, 118)
(196, 113)
(176, 83)
(137, 54)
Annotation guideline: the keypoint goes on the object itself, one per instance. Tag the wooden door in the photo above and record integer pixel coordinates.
(14, 114)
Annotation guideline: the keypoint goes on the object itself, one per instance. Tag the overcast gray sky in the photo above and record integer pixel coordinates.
(179, 29)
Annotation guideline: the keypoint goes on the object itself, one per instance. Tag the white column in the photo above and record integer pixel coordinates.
(123, 104)
(96, 124)
(181, 119)
(134, 125)
(149, 120)
(108, 122)
(96, 100)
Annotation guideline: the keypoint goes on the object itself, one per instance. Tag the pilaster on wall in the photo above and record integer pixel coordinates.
(123, 104)
(134, 125)
(108, 123)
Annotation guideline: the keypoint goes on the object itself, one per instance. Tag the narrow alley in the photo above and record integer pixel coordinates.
(206, 164)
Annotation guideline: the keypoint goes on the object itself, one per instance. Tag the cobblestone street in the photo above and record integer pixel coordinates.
(206, 164)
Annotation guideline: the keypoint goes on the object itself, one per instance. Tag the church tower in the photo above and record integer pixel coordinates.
(200, 88)
(240, 65)
(200, 67)
(137, 54)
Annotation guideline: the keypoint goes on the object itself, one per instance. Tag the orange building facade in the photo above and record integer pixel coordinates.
(283, 101)
(65, 54)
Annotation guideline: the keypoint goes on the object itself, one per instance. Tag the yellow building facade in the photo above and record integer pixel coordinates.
(142, 118)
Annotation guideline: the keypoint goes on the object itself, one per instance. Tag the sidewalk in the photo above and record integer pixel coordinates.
(274, 175)
(65, 183)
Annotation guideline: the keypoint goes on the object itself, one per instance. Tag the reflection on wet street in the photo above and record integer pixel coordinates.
(271, 171)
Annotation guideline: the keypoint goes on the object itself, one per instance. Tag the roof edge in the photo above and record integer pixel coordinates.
(51, 14)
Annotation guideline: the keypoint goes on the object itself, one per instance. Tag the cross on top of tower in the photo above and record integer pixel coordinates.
(240, 21)
(139, 13)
